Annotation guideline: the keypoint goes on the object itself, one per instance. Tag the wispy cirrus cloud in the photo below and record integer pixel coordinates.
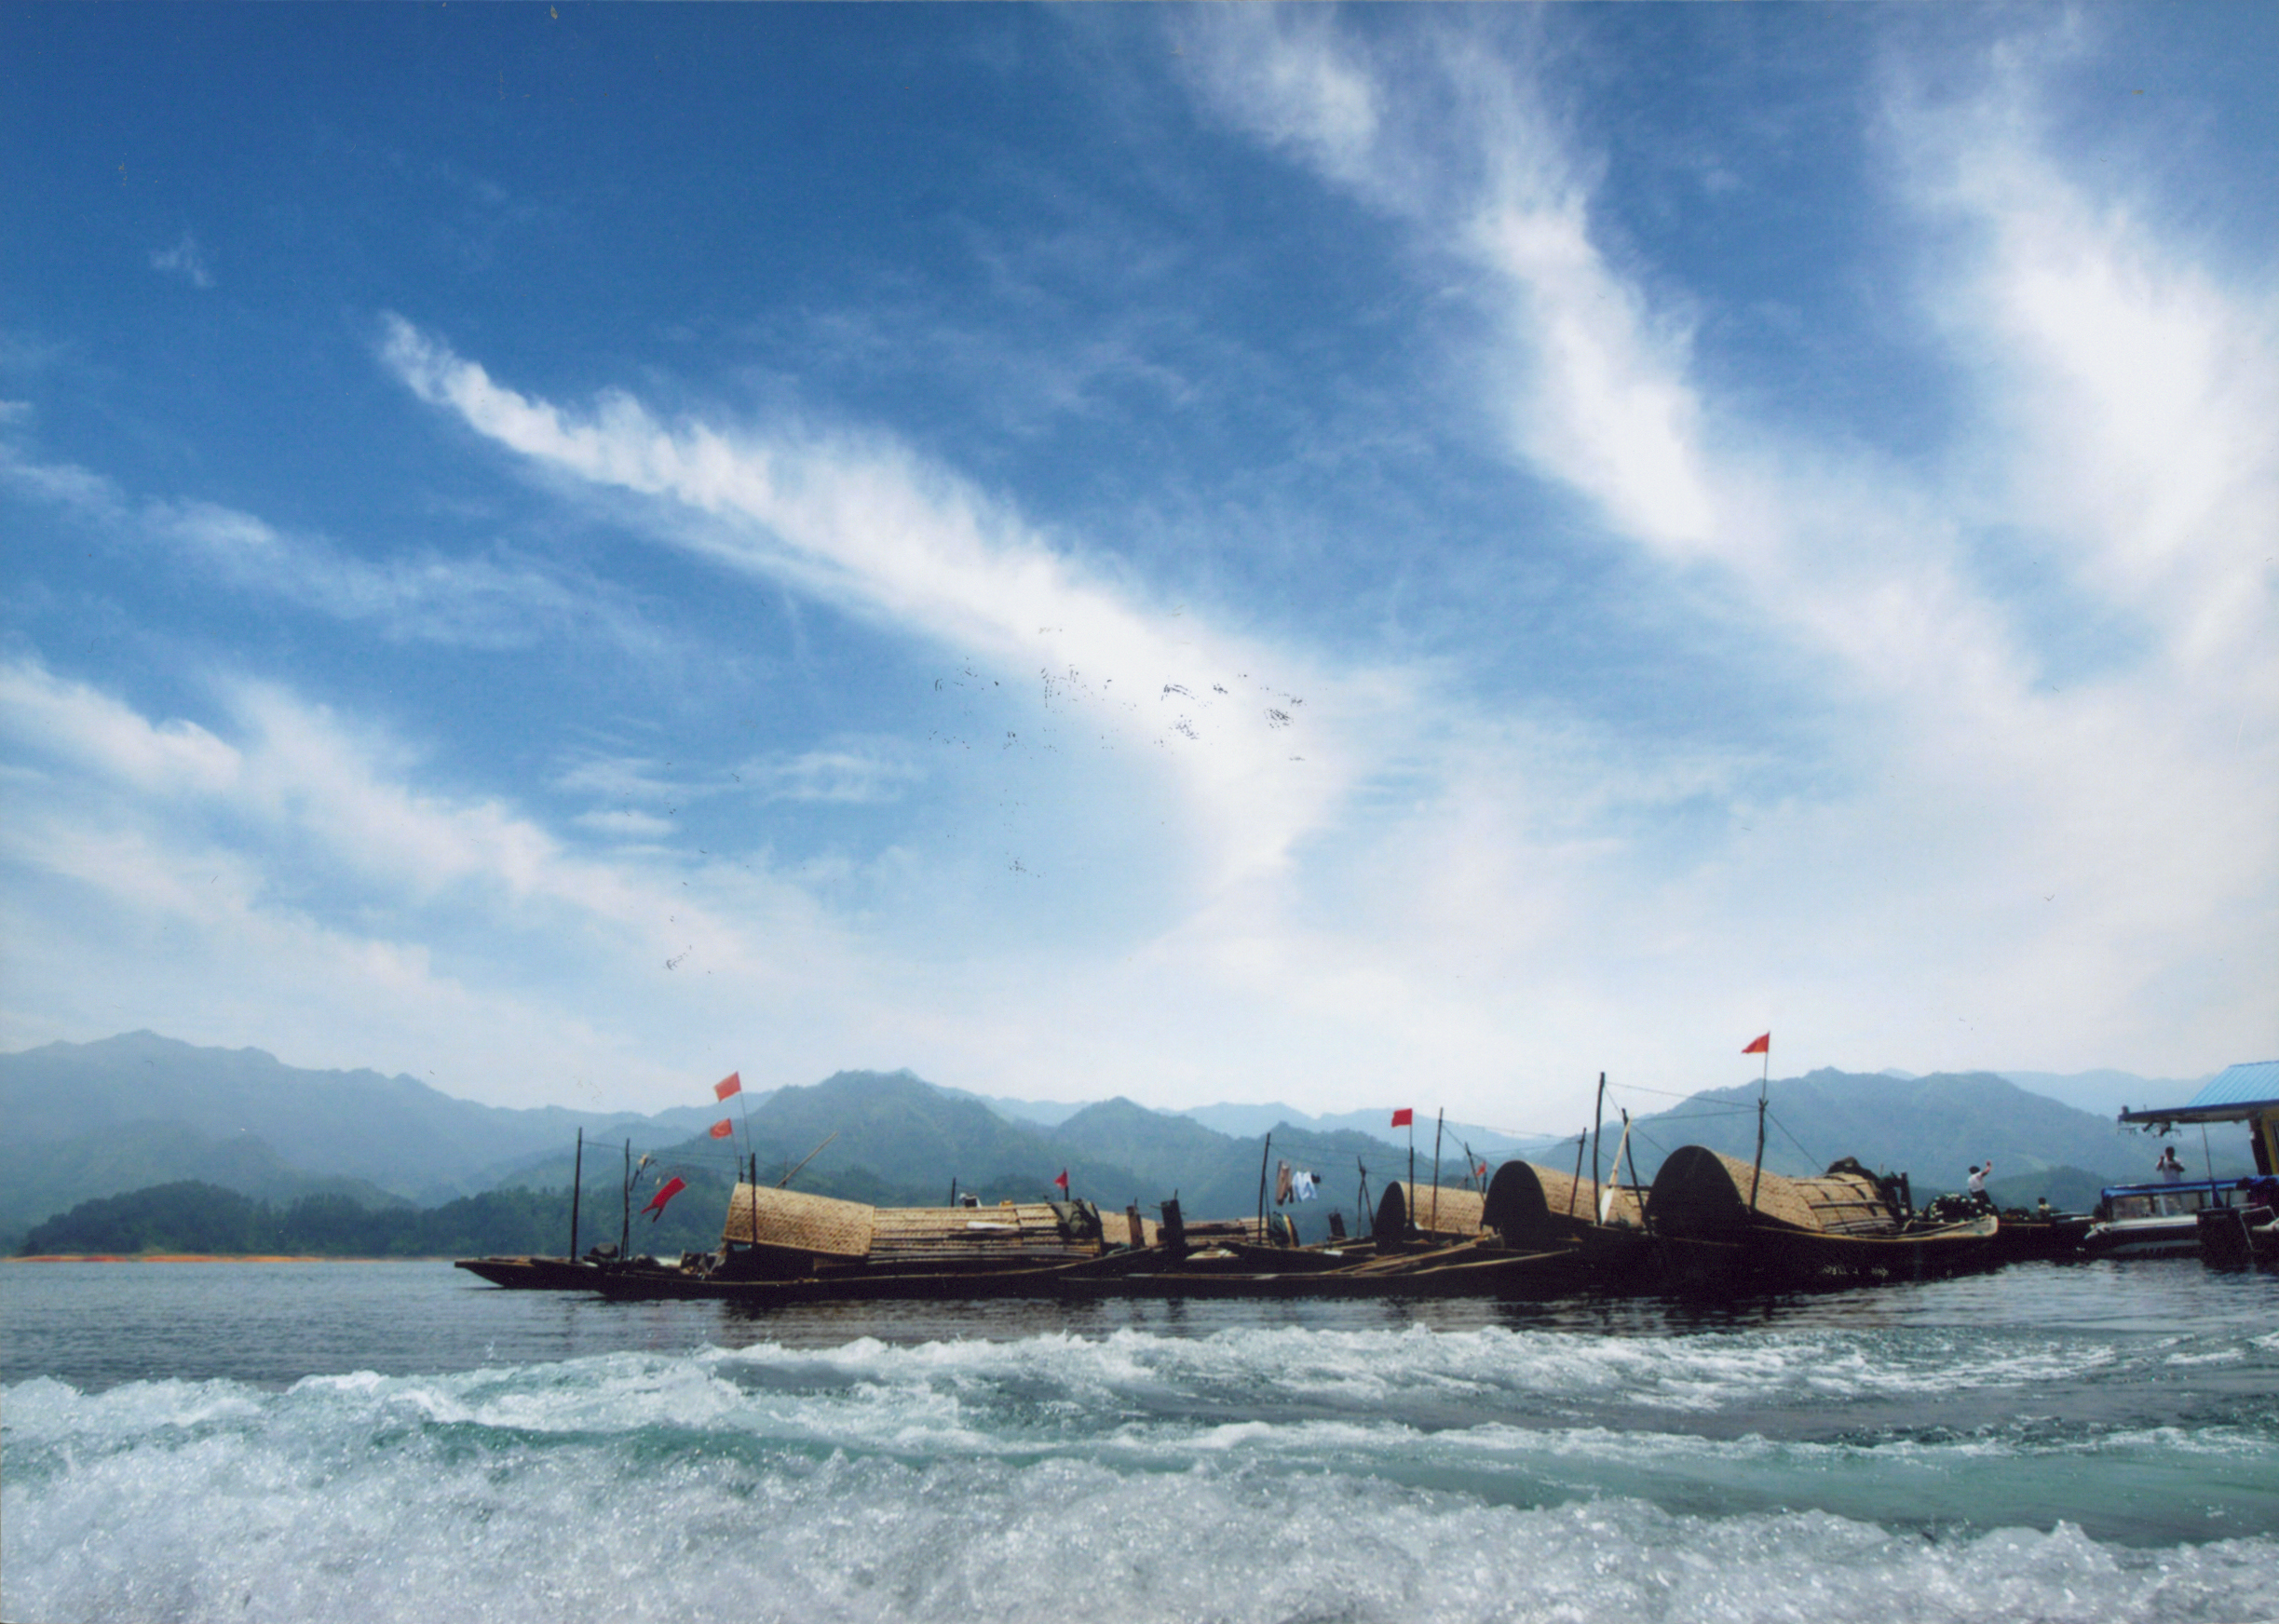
(357, 900)
(2123, 419)
(498, 601)
(862, 522)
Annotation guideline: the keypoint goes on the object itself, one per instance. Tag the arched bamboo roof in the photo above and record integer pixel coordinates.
(793, 1222)
(1535, 1206)
(1446, 1213)
(1704, 1195)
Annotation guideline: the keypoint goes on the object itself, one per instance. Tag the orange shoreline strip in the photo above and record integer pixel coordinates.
(209, 1257)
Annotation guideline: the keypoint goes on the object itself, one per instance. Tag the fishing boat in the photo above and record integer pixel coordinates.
(2164, 1219)
(534, 1273)
(568, 1272)
(2170, 1219)
(1722, 1222)
(778, 1244)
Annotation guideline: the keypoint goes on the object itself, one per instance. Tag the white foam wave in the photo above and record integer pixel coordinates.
(1267, 1473)
(429, 1529)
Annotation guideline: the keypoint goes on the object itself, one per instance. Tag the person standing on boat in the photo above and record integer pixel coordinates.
(1979, 1175)
(2169, 1168)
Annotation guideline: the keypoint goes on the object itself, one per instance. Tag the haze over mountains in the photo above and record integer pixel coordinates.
(95, 1119)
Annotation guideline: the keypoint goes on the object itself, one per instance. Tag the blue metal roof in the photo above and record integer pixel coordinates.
(2256, 1082)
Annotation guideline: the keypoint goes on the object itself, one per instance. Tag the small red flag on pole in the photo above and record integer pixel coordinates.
(723, 1128)
(1762, 1045)
(670, 1188)
(1063, 1181)
(731, 1084)
(1404, 1118)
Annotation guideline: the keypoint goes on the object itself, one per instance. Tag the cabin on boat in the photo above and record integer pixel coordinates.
(2247, 1093)
(2216, 1217)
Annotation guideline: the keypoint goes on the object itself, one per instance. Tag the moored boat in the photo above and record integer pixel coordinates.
(2210, 1216)
(2164, 1219)
(1720, 1222)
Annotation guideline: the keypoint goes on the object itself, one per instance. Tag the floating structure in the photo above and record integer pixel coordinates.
(1719, 1221)
(2227, 1220)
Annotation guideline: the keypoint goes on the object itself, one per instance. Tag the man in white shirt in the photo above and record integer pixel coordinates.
(1978, 1182)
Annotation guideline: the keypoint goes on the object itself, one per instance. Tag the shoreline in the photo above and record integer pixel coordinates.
(214, 1257)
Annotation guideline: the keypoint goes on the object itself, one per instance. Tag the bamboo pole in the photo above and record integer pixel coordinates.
(577, 1181)
(1440, 1122)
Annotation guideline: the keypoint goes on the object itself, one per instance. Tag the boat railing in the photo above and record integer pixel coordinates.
(2119, 1204)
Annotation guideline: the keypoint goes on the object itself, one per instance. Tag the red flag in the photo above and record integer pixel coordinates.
(1762, 1045)
(1063, 1181)
(731, 1084)
(723, 1128)
(1483, 1170)
(670, 1188)
(1404, 1118)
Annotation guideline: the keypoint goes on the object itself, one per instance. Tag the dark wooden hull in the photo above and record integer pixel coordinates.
(2233, 1238)
(846, 1286)
(1422, 1274)
(1767, 1257)
(1256, 1272)
(535, 1274)
(2020, 1239)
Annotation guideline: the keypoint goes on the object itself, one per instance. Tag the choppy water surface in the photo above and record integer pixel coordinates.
(397, 1441)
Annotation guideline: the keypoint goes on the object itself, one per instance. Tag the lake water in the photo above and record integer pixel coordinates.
(397, 1442)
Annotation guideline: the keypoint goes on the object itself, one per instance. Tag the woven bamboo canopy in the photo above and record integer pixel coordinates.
(1701, 1193)
(1534, 1206)
(790, 1221)
(1446, 1212)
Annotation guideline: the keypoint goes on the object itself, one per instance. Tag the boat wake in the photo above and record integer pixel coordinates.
(1264, 1472)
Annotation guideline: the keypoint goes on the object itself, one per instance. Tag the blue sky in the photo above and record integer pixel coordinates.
(1394, 556)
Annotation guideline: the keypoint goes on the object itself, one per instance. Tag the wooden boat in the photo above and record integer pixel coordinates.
(787, 1245)
(2163, 1219)
(534, 1274)
(1475, 1268)
(1720, 1222)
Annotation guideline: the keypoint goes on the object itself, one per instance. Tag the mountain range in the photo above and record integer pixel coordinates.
(97, 1119)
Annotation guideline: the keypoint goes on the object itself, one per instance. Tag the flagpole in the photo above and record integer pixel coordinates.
(1409, 1214)
(1264, 1151)
(1439, 1122)
(1757, 1172)
(1598, 1128)
(578, 1180)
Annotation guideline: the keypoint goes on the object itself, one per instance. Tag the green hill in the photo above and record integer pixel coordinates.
(197, 1217)
(90, 1119)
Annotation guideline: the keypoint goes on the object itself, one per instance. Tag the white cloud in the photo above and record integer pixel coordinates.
(102, 737)
(296, 869)
(496, 602)
(1964, 863)
(2004, 845)
(866, 525)
(625, 823)
(183, 260)
(845, 777)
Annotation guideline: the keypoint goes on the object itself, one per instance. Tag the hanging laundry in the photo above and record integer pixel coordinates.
(1307, 1186)
(1282, 1184)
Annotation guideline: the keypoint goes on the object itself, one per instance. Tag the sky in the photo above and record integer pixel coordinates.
(1346, 556)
